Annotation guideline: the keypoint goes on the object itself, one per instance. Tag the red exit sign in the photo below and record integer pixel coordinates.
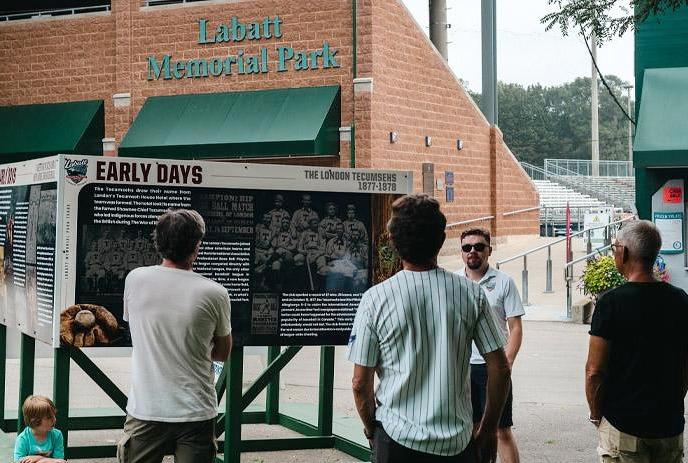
(673, 194)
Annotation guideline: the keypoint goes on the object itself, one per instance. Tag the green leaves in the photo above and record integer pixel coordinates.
(599, 275)
(554, 122)
(388, 260)
(606, 18)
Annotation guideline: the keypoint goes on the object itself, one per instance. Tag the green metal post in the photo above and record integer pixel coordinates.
(352, 147)
(272, 399)
(325, 399)
(3, 376)
(61, 363)
(232, 446)
(26, 375)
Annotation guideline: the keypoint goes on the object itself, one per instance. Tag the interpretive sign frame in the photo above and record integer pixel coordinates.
(74, 173)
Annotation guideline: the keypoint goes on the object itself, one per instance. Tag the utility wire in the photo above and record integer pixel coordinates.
(604, 81)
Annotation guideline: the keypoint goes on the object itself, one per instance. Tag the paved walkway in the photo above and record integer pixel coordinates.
(550, 412)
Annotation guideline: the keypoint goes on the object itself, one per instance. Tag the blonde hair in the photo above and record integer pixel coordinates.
(37, 407)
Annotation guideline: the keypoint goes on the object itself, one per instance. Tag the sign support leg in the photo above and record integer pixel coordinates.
(3, 375)
(61, 363)
(272, 399)
(233, 411)
(325, 399)
(26, 375)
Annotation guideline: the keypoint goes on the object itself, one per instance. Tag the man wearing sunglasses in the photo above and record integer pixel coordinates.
(507, 308)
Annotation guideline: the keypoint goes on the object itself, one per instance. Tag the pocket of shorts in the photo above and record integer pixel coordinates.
(608, 440)
(123, 449)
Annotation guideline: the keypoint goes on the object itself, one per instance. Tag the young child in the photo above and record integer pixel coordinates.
(39, 441)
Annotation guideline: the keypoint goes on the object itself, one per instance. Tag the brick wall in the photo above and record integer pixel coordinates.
(416, 95)
(96, 56)
(57, 60)
(414, 92)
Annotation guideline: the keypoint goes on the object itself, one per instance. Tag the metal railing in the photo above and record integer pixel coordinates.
(47, 13)
(534, 172)
(609, 191)
(587, 167)
(466, 222)
(521, 211)
(568, 273)
(168, 2)
(554, 216)
(610, 232)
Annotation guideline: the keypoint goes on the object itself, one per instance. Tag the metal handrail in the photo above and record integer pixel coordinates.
(465, 222)
(530, 251)
(548, 272)
(520, 211)
(58, 11)
(606, 168)
(543, 246)
(597, 251)
(568, 275)
(631, 217)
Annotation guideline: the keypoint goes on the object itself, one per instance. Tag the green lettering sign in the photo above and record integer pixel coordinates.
(241, 63)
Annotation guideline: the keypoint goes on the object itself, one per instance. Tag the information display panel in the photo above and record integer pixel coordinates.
(28, 210)
(292, 245)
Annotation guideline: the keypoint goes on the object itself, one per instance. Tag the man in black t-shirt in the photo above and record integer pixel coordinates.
(637, 369)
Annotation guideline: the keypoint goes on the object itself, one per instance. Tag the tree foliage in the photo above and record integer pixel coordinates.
(554, 122)
(606, 18)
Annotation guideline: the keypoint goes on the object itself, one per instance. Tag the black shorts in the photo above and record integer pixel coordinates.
(387, 450)
(479, 397)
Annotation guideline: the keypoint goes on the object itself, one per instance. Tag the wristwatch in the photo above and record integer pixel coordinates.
(595, 421)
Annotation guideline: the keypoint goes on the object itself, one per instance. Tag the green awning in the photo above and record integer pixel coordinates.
(37, 130)
(661, 136)
(267, 123)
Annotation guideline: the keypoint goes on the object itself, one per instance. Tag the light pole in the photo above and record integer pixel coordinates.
(630, 125)
(595, 135)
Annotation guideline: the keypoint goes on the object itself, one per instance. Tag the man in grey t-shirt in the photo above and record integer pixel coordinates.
(507, 308)
(179, 322)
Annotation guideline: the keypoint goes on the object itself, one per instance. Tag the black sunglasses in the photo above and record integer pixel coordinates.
(480, 247)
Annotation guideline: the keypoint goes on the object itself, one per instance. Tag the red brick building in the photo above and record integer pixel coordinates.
(388, 87)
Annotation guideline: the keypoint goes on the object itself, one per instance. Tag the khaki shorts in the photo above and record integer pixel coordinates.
(618, 447)
(150, 441)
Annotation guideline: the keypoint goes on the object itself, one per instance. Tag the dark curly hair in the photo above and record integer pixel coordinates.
(417, 228)
(177, 234)
(477, 232)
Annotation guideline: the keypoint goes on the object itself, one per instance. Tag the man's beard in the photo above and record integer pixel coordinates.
(474, 264)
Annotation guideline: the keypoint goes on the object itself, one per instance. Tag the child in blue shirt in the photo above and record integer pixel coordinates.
(39, 442)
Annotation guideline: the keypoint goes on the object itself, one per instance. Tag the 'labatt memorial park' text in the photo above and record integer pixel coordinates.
(281, 58)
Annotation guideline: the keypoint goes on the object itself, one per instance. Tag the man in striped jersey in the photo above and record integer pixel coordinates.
(415, 330)
(507, 307)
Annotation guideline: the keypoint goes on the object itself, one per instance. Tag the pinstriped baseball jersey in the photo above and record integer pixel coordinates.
(417, 329)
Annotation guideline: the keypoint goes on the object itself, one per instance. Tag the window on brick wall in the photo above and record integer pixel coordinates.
(30, 9)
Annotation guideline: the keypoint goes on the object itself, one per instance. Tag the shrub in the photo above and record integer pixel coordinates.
(388, 261)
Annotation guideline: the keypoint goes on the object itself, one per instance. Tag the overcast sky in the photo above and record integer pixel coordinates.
(526, 54)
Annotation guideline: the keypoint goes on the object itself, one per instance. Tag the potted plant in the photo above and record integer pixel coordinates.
(600, 275)
(387, 260)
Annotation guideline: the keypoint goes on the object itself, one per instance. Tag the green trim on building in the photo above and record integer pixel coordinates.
(37, 130)
(662, 121)
(660, 42)
(266, 123)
